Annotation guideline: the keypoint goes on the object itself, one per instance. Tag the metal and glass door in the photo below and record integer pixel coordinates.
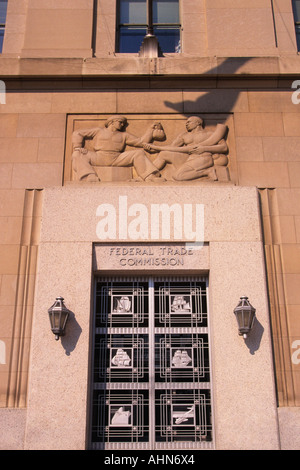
(151, 374)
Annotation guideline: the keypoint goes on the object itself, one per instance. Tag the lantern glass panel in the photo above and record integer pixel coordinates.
(64, 317)
(246, 318)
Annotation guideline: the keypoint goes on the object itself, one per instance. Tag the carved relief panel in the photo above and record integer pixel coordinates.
(146, 148)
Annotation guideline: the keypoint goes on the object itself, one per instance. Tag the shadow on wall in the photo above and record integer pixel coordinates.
(217, 100)
(254, 339)
(221, 100)
(73, 332)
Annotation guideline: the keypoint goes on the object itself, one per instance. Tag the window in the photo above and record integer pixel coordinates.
(296, 9)
(132, 24)
(3, 9)
(151, 367)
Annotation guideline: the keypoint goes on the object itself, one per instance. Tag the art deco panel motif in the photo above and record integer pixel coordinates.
(183, 305)
(181, 358)
(121, 416)
(183, 415)
(121, 358)
(124, 304)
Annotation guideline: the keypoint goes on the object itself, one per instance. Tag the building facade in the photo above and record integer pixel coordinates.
(150, 176)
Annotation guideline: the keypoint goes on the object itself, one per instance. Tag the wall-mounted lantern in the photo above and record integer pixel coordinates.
(245, 316)
(58, 315)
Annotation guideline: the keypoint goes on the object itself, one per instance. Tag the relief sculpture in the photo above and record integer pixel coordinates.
(109, 145)
(194, 154)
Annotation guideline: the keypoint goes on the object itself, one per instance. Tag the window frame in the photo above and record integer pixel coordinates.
(297, 24)
(137, 26)
(2, 27)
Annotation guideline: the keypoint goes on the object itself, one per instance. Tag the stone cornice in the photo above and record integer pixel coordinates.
(132, 66)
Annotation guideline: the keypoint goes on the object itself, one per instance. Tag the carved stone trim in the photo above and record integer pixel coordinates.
(19, 358)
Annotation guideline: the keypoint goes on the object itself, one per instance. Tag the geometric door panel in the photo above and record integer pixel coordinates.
(183, 415)
(182, 358)
(122, 304)
(183, 305)
(122, 416)
(121, 358)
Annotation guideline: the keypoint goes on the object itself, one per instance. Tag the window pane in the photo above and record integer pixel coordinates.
(168, 38)
(131, 38)
(165, 11)
(298, 36)
(3, 8)
(1, 38)
(133, 12)
(296, 7)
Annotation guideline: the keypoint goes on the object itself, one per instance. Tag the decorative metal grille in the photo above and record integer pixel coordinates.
(122, 304)
(151, 374)
(181, 358)
(121, 416)
(121, 358)
(183, 415)
(180, 305)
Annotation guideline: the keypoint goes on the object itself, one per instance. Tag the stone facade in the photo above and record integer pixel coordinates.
(62, 73)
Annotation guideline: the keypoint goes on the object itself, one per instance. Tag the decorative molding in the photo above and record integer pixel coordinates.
(19, 358)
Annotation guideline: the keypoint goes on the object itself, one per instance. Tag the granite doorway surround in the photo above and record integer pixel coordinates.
(230, 254)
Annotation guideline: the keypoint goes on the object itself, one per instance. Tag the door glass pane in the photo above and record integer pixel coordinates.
(133, 12)
(166, 11)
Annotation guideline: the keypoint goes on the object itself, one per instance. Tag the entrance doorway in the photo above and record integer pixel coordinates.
(151, 378)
